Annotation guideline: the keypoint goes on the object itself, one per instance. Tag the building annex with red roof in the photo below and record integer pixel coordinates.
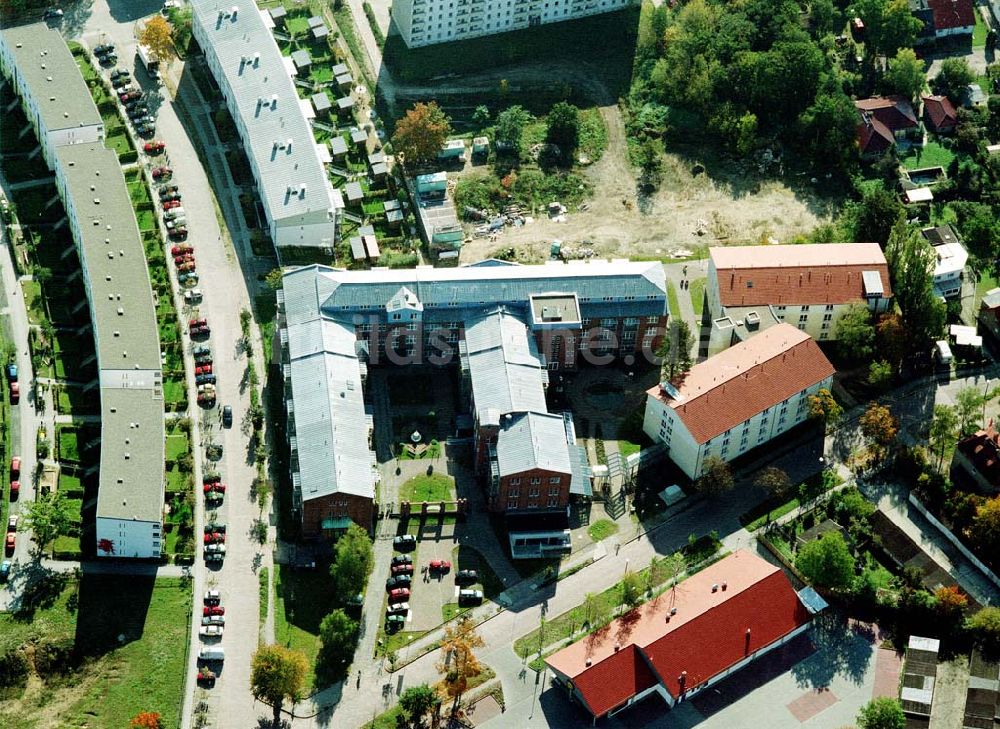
(940, 114)
(979, 456)
(751, 288)
(883, 121)
(693, 635)
(738, 399)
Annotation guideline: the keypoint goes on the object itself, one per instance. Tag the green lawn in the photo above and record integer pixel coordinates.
(144, 673)
(697, 291)
(932, 154)
(69, 446)
(672, 302)
(602, 529)
(979, 33)
(301, 601)
(173, 391)
(177, 445)
(435, 487)
(69, 485)
(33, 301)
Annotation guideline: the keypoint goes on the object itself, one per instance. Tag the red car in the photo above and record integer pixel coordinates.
(130, 96)
(402, 569)
(154, 147)
(206, 398)
(198, 322)
(219, 488)
(15, 467)
(187, 266)
(214, 537)
(205, 369)
(161, 172)
(400, 594)
(15, 489)
(440, 565)
(170, 204)
(15, 392)
(213, 610)
(181, 250)
(11, 537)
(206, 677)
(183, 258)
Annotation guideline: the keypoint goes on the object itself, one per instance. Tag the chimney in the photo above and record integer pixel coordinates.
(618, 647)
(715, 588)
(588, 662)
(724, 586)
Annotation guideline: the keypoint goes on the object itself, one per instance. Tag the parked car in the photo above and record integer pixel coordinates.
(470, 597)
(192, 323)
(199, 331)
(144, 122)
(15, 392)
(214, 557)
(394, 622)
(117, 83)
(154, 147)
(183, 258)
(136, 104)
(15, 490)
(402, 569)
(439, 565)
(161, 173)
(404, 542)
(399, 608)
(193, 296)
(215, 528)
(200, 349)
(5, 570)
(126, 96)
(174, 223)
(15, 467)
(181, 250)
(187, 267)
(217, 548)
(219, 488)
(214, 653)
(10, 542)
(176, 212)
(12, 523)
(120, 73)
(402, 559)
(210, 631)
(207, 387)
(208, 400)
(227, 416)
(398, 581)
(211, 478)
(466, 577)
(178, 233)
(203, 370)
(206, 379)
(170, 204)
(104, 49)
(399, 595)
(212, 597)
(202, 359)
(206, 677)
(214, 538)
(164, 197)
(12, 372)
(213, 620)
(145, 130)
(167, 188)
(53, 14)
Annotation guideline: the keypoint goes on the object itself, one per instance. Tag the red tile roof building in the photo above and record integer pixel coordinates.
(952, 17)
(940, 114)
(709, 626)
(979, 455)
(883, 119)
(738, 399)
(811, 286)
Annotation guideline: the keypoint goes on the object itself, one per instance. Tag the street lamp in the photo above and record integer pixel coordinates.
(986, 395)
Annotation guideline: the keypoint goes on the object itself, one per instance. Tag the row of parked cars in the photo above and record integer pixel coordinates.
(213, 624)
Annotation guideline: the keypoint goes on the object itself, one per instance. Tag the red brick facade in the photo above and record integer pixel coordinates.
(359, 509)
(520, 492)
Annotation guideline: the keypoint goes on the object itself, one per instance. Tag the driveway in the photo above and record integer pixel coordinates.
(225, 295)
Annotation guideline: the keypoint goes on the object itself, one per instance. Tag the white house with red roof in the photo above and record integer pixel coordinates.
(751, 288)
(739, 399)
(694, 635)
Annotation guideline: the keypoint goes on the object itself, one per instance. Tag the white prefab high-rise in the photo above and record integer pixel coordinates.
(425, 22)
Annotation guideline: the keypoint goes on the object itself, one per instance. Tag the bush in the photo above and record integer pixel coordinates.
(14, 669)
(376, 31)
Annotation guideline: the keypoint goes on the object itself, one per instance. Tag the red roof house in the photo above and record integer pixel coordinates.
(691, 636)
(883, 120)
(979, 455)
(952, 17)
(940, 114)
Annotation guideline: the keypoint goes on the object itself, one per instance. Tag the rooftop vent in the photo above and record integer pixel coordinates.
(233, 11)
(121, 311)
(97, 201)
(724, 586)
(588, 662)
(673, 611)
(715, 588)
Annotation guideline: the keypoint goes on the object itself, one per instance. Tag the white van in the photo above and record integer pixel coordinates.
(212, 653)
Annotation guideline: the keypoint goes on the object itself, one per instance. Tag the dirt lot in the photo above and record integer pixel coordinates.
(614, 226)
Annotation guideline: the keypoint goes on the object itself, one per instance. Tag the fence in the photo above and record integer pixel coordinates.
(947, 533)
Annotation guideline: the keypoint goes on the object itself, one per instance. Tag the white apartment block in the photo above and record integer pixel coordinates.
(425, 22)
(739, 399)
(752, 288)
(300, 203)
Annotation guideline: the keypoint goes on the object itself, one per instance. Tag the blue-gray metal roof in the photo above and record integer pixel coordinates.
(529, 441)
(504, 367)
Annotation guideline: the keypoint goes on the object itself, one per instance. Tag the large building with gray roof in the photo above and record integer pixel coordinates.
(113, 264)
(300, 203)
(507, 326)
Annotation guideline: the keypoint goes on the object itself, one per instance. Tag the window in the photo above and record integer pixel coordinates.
(824, 335)
(555, 479)
(512, 503)
(533, 491)
(631, 322)
(535, 480)
(805, 307)
(652, 319)
(803, 317)
(827, 317)
(554, 492)
(826, 325)
(802, 326)
(553, 502)
(514, 492)
(829, 307)
(781, 308)
(515, 481)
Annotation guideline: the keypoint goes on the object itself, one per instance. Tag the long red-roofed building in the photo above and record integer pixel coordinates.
(739, 399)
(709, 626)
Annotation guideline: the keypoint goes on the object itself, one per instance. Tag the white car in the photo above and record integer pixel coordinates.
(213, 620)
(212, 596)
(399, 608)
(210, 631)
(217, 548)
(192, 295)
(12, 523)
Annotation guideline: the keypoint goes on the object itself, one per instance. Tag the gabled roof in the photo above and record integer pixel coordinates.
(530, 441)
(707, 633)
(818, 273)
(881, 118)
(982, 451)
(746, 379)
(940, 113)
(950, 14)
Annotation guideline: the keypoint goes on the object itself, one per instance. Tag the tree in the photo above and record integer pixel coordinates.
(943, 430)
(631, 589)
(352, 561)
(649, 159)
(882, 713)
(827, 561)
(594, 609)
(950, 600)
(338, 635)
(146, 720)
(911, 262)
(891, 339)
(564, 128)
(823, 407)
(954, 76)
(510, 126)
(880, 374)
(716, 477)
(47, 517)
(675, 349)
(277, 673)
(775, 481)
(274, 279)
(985, 628)
(157, 36)
(459, 663)
(875, 215)
(968, 409)
(855, 332)
(416, 701)
(829, 124)
(879, 426)
(985, 528)
(889, 25)
(481, 116)
(421, 132)
(905, 75)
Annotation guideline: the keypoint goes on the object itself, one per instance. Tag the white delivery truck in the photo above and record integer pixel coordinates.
(148, 62)
(212, 653)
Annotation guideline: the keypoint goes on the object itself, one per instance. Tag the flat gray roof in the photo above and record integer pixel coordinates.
(47, 66)
(552, 308)
(111, 250)
(529, 441)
